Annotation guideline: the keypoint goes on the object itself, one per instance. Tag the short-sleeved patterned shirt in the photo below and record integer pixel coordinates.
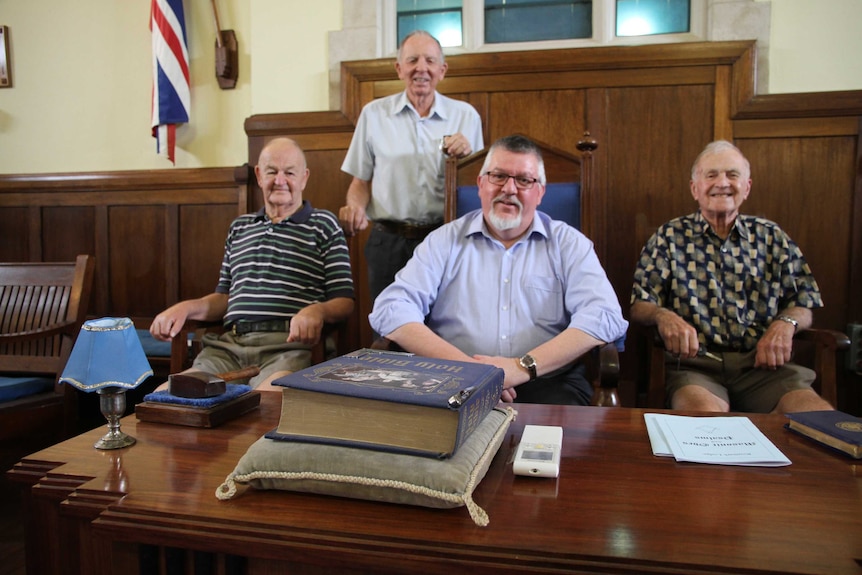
(729, 290)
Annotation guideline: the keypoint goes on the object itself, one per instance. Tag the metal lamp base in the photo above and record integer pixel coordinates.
(112, 402)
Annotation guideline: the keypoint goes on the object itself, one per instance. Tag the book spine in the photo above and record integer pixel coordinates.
(478, 405)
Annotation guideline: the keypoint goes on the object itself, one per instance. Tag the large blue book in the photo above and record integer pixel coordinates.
(835, 429)
(388, 401)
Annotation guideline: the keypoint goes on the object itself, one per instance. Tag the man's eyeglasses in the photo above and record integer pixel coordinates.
(521, 182)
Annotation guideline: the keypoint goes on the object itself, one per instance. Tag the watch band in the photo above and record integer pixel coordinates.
(789, 320)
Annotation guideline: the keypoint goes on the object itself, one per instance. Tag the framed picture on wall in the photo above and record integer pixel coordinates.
(5, 74)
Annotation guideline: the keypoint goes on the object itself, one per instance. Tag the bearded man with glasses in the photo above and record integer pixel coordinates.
(508, 286)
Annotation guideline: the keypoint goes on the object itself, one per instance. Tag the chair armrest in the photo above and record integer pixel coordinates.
(829, 338)
(605, 394)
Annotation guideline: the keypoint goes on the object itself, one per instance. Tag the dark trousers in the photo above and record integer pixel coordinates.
(385, 254)
(567, 388)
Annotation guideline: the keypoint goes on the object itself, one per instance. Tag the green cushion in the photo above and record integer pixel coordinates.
(374, 475)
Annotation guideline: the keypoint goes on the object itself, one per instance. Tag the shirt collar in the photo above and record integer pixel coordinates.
(438, 108)
(701, 226)
(300, 216)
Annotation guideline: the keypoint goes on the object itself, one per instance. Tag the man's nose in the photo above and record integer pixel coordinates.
(509, 187)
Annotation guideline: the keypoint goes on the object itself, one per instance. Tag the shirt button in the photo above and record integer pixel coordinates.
(505, 307)
(504, 337)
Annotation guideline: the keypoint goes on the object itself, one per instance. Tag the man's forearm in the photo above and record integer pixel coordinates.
(645, 312)
(358, 193)
(419, 339)
(803, 316)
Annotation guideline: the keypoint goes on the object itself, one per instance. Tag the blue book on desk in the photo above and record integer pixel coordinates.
(388, 401)
(835, 429)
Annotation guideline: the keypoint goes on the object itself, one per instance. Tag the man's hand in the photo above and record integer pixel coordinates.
(457, 145)
(353, 219)
(307, 325)
(352, 215)
(514, 373)
(774, 347)
(679, 337)
(168, 324)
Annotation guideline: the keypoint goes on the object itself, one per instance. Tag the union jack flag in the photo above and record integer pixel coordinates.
(171, 91)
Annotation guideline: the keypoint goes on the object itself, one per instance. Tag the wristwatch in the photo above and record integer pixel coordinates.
(789, 320)
(527, 362)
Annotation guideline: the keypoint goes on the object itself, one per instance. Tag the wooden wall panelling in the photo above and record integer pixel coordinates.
(15, 234)
(133, 222)
(138, 248)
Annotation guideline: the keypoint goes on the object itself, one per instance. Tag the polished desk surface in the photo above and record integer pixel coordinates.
(615, 508)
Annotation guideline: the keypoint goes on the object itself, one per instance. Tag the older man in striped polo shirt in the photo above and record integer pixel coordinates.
(285, 273)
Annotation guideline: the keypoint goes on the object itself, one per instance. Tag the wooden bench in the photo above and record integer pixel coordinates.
(42, 307)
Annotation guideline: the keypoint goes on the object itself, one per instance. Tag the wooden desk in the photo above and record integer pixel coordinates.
(614, 509)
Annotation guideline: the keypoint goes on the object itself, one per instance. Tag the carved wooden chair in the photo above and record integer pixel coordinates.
(42, 308)
(817, 349)
(568, 192)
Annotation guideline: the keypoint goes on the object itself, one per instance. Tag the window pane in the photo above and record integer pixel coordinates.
(531, 20)
(646, 17)
(440, 18)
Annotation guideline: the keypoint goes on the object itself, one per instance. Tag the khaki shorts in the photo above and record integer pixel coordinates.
(267, 350)
(736, 381)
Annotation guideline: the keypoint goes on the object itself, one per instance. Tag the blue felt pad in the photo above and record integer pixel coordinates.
(232, 391)
(152, 346)
(17, 387)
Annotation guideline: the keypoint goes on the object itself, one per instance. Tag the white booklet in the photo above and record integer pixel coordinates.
(719, 440)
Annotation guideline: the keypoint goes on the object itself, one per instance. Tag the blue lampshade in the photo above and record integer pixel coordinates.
(107, 353)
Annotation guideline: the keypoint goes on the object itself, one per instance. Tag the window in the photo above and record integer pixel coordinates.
(442, 18)
(500, 25)
(531, 20)
(647, 17)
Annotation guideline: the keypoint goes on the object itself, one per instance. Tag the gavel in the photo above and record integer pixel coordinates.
(196, 384)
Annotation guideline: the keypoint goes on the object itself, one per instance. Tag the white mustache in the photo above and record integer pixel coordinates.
(507, 198)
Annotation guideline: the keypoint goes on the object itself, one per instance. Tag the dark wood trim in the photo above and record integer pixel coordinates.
(802, 105)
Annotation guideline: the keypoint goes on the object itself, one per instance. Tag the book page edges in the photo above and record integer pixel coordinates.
(354, 419)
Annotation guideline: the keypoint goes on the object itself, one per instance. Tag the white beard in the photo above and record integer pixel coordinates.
(501, 223)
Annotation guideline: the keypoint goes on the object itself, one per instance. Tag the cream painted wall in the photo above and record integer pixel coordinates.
(815, 46)
(290, 69)
(82, 77)
(81, 74)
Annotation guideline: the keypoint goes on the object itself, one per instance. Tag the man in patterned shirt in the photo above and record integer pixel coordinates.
(733, 285)
(285, 273)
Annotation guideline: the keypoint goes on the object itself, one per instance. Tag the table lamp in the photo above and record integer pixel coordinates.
(108, 359)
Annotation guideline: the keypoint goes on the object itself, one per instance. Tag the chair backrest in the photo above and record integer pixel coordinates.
(42, 307)
(568, 188)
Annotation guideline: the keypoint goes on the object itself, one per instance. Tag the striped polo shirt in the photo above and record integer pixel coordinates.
(271, 271)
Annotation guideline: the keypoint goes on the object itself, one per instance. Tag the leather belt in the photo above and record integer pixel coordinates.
(243, 327)
(405, 230)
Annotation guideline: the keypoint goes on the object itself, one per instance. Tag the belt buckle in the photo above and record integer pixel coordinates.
(233, 329)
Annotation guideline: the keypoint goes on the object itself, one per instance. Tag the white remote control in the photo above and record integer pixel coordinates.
(538, 454)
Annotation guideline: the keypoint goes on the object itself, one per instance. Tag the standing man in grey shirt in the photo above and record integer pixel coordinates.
(400, 143)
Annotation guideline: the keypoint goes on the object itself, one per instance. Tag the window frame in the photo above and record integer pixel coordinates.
(604, 28)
